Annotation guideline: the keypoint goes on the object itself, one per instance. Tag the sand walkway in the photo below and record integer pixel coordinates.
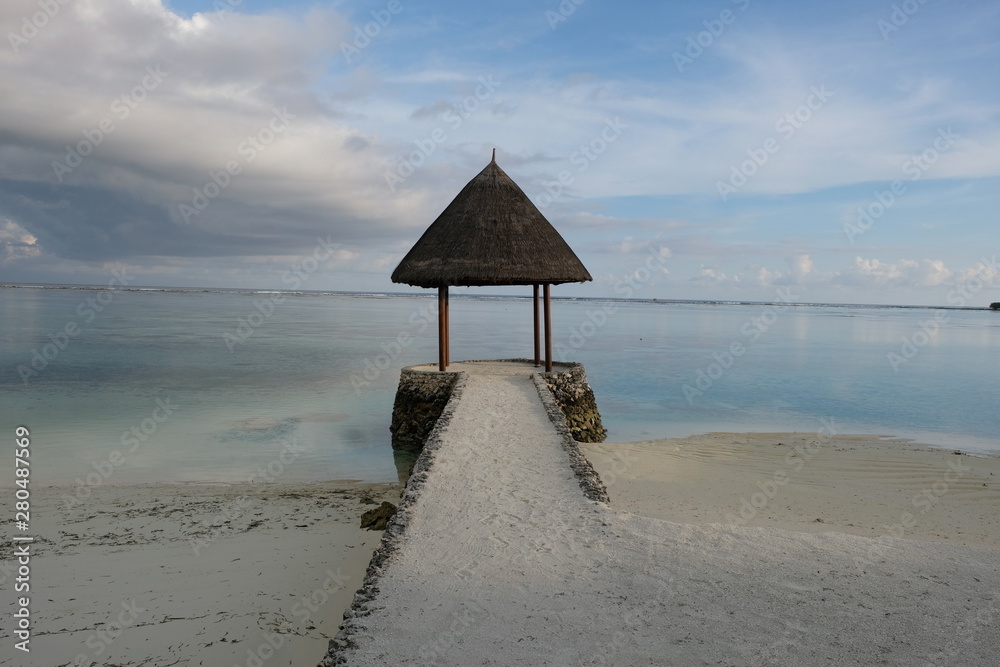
(503, 561)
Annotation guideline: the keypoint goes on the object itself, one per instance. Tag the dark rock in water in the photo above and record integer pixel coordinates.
(378, 518)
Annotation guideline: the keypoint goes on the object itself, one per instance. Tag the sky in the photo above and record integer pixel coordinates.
(841, 152)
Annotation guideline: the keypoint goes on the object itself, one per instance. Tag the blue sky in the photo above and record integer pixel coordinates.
(844, 152)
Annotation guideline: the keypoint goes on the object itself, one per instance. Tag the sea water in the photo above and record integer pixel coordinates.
(226, 385)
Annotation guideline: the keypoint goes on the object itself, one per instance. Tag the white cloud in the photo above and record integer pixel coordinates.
(708, 275)
(907, 273)
(140, 107)
(981, 271)
(17, 242)
(801, 266)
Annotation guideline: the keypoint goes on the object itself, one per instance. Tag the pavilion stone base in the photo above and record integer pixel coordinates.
(577, 402)
(420, 400)
(423, 394)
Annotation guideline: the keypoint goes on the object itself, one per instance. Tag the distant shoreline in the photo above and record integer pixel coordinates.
(429, 295)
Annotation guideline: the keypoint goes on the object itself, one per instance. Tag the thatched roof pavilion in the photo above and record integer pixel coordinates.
(491, 234)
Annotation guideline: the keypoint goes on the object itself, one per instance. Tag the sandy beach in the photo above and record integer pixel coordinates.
(193, 574)
(858, 484)
(808, 565)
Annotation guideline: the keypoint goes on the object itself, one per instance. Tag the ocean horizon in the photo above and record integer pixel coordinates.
(166, 384)
(477, 295)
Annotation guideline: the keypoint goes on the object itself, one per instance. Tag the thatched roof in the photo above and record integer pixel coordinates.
(490, 234)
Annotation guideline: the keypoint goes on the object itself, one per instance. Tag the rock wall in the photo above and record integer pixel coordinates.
(420, 399)
(590, 481)
(576, 400)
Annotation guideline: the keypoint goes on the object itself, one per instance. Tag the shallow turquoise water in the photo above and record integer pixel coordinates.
(220, 385)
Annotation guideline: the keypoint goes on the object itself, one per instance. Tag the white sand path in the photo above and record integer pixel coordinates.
(504, 562)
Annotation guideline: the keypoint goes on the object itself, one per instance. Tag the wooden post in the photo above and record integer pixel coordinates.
(447, 327)
(548, 328)
(442, 325)
(538, 353)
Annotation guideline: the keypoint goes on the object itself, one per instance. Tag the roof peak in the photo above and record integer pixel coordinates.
(490, 234)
